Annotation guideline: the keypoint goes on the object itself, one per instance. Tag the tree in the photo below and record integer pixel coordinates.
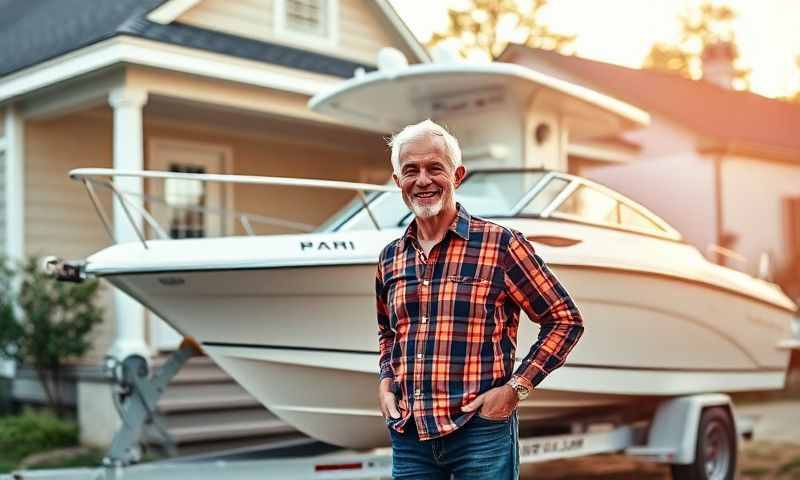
(483, 28)
(45, 323)
(703, 26)
(795, 97)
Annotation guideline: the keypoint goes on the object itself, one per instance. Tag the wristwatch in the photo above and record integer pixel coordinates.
(522, 390)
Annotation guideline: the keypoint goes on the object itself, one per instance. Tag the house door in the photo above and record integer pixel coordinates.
(187, 208)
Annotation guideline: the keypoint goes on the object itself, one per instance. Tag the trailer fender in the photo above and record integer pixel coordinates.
(673, 432)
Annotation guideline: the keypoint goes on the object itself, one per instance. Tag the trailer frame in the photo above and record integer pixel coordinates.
(669, 437)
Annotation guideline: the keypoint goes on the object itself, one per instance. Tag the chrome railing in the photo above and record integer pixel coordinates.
(103, 177)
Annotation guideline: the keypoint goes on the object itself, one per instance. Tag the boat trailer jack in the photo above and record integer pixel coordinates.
(136, 397)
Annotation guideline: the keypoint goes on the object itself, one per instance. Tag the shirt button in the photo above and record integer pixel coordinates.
(424, 319)
(419, 355)
(426, 282)
(418, 393)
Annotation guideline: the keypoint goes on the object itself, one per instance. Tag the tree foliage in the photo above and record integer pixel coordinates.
(704, 25)
(45, 323)
(483, 28)
(795, 97)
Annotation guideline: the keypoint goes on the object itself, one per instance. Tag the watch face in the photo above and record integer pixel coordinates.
(522, 392)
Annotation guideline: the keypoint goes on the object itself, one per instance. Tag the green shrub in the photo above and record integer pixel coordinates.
(44, 323)
(33, 432)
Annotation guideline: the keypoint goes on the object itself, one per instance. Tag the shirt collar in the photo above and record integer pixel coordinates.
(460, 227)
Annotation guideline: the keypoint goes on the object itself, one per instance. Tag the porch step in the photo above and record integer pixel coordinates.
(256, 423)
(204, 408)
(199, 369)
(205, 396)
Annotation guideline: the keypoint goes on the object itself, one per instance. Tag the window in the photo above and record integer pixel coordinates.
(186, 200)
(590, 205)
(485, 194)
(495, 193)
(628, 217)
(306, 16)
(307, 20)
(545, 197)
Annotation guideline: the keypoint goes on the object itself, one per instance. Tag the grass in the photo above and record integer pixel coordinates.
(755, 471)
(767, 460)
(790, 467)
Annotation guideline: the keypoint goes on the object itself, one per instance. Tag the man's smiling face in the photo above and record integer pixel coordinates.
(426, 177)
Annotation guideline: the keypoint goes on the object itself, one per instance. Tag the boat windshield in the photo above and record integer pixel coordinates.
(485, 194)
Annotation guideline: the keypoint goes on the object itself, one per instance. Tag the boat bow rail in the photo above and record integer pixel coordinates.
(104, 177)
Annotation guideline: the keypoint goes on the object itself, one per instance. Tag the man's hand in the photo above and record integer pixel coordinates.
(497, 403)
(387, 399)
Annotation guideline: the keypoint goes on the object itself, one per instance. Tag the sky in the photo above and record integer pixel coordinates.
(622, 31)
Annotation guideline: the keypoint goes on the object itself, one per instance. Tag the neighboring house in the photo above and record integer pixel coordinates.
(214, 86)
(722, 166)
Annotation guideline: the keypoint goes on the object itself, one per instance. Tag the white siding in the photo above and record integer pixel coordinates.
(753, 192)
(362, 28)
(59, 217)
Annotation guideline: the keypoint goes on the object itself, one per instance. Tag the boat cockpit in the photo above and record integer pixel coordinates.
(514, 193)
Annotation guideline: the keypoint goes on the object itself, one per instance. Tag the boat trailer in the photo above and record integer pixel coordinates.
(697, 432)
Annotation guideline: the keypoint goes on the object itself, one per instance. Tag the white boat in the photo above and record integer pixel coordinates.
(292, 317)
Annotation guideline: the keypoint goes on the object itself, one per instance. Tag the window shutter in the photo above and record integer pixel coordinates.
(307, 16)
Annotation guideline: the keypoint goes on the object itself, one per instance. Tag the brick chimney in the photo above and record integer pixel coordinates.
(718, 63)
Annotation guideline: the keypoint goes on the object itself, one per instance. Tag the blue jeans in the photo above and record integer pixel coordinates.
(481, 449)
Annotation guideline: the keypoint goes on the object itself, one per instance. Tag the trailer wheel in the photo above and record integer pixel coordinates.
(715, 451)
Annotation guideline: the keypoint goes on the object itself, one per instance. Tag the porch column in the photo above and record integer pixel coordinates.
(14, 151)
(129, 155)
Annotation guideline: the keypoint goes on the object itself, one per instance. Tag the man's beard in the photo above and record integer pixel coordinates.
(428, 211)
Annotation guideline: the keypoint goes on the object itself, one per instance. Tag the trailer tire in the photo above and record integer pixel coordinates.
(715, 449)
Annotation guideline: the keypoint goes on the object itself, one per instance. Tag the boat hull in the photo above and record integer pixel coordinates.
(304, 341)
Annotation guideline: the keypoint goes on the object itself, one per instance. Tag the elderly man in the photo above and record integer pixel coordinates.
(449, 293)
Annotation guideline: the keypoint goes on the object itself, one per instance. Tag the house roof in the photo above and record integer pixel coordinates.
(735, 117)
(43, 29)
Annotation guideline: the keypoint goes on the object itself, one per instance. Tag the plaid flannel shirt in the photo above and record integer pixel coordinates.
(447, 323)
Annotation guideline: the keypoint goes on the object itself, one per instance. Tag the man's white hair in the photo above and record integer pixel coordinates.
(420, 130)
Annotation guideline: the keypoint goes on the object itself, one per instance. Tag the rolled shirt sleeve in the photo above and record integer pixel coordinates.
(537, 291)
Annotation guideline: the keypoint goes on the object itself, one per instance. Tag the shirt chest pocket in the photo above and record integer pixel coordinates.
(471, 296)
